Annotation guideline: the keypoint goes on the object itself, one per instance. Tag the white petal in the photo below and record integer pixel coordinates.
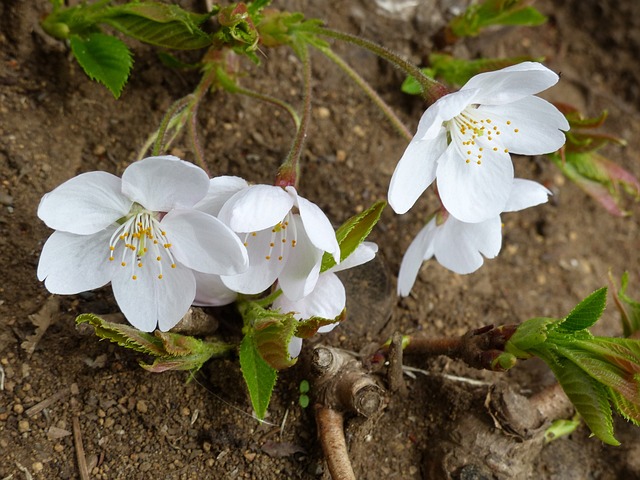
(511, 83)
(415, 171)
(262, 271)
(148, 301)
(442, 110)
(472, 192)
(302, 267)
(163, 183)
(75, 263)
(421, 249)
(211, 292)
(316, 225)
(327, 300)
(295, 347)
(85, 204)
(538, 123)
(365, 252)
(525, 194)
(220, 190)
(203, 243)
(459, 246)
(256, 208)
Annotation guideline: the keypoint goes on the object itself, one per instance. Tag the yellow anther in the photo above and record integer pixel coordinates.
(506, 151)
(508, 122)
(134, 277)
(272, 244)
(111, 259)
(268, 257)
(253, 234)
(468, 161)
(173, 265)
(160, 276)
(124, 264)
(140, 264)
(495, 149)
(280, 257)
(516, 130)
(479, 162)
(112, 248)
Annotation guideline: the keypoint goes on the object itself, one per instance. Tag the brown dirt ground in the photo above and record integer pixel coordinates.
(55, 123)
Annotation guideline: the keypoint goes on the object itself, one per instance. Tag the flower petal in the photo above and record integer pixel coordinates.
(421, 249)
(211, 292)
(444, 109)
(316, 225)
(148, 301)
(472, 192)
(295, 347)
(262, 271)
(327, 300)
(220, 190)
(415, 171)
(535, 126)
(365, 252)
(256, 208)
(525, 194)
(459, 246)
(511, 83)
(302, 268)
(163, 183)
(76, 263)
(85, 204)
(203, 243)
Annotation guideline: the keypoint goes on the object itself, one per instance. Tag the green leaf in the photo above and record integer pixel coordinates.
(103, 58)
(303, 401)
(259, 376)
(589, 397)
(353, 232)
(586, 313)
(494, 12)
(529, 334)
(272, 341)
(629, 315)
(167, 26)
(411, 86)
(629, 410)
(309, 327)
(124, 335)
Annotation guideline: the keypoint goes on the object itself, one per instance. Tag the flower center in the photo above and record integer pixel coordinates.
(476, 134)
(277, 240)
(141, 234)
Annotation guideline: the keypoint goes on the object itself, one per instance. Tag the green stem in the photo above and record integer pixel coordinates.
(288, 173)
(271, 100)
(431, 89)
(370, 92)
(175, 108)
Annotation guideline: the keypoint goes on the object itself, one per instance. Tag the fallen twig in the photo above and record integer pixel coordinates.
(82, 460)
(47, 402)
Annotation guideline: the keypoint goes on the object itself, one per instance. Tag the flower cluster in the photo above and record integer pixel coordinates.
(463, 143)
(168, 237)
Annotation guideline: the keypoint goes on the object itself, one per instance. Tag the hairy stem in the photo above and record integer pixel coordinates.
(431, 89)
(370, 92)
(174, 110)
(288, 173)
(270, 100)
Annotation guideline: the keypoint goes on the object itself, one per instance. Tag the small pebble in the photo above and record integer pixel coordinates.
(185, 412)
(18, 408)
(23, 426)
(141, 406)
(37, 467)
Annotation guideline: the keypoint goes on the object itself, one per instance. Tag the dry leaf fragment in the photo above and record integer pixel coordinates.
(43, 319)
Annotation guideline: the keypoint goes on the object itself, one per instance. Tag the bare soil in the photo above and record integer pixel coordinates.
(55, 124)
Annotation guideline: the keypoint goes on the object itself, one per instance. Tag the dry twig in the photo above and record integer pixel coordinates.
(82, 460)
(47, 402)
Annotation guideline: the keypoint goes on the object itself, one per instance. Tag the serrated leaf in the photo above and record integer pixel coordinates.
(589, 397)
(528, 335)
(167, 26)
(124, 335)
(586, 313)
(259, 376)
(629, 410)
(353, 232)
(103, 58)
(308, 328)
(272, 342)
(630, 316)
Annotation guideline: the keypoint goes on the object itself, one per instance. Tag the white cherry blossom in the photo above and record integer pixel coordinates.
(464, 140)
(328, 298)
(142, 234)
(460, 246)
(285, 234)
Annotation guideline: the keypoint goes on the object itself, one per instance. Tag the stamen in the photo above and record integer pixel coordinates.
(138, 231)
